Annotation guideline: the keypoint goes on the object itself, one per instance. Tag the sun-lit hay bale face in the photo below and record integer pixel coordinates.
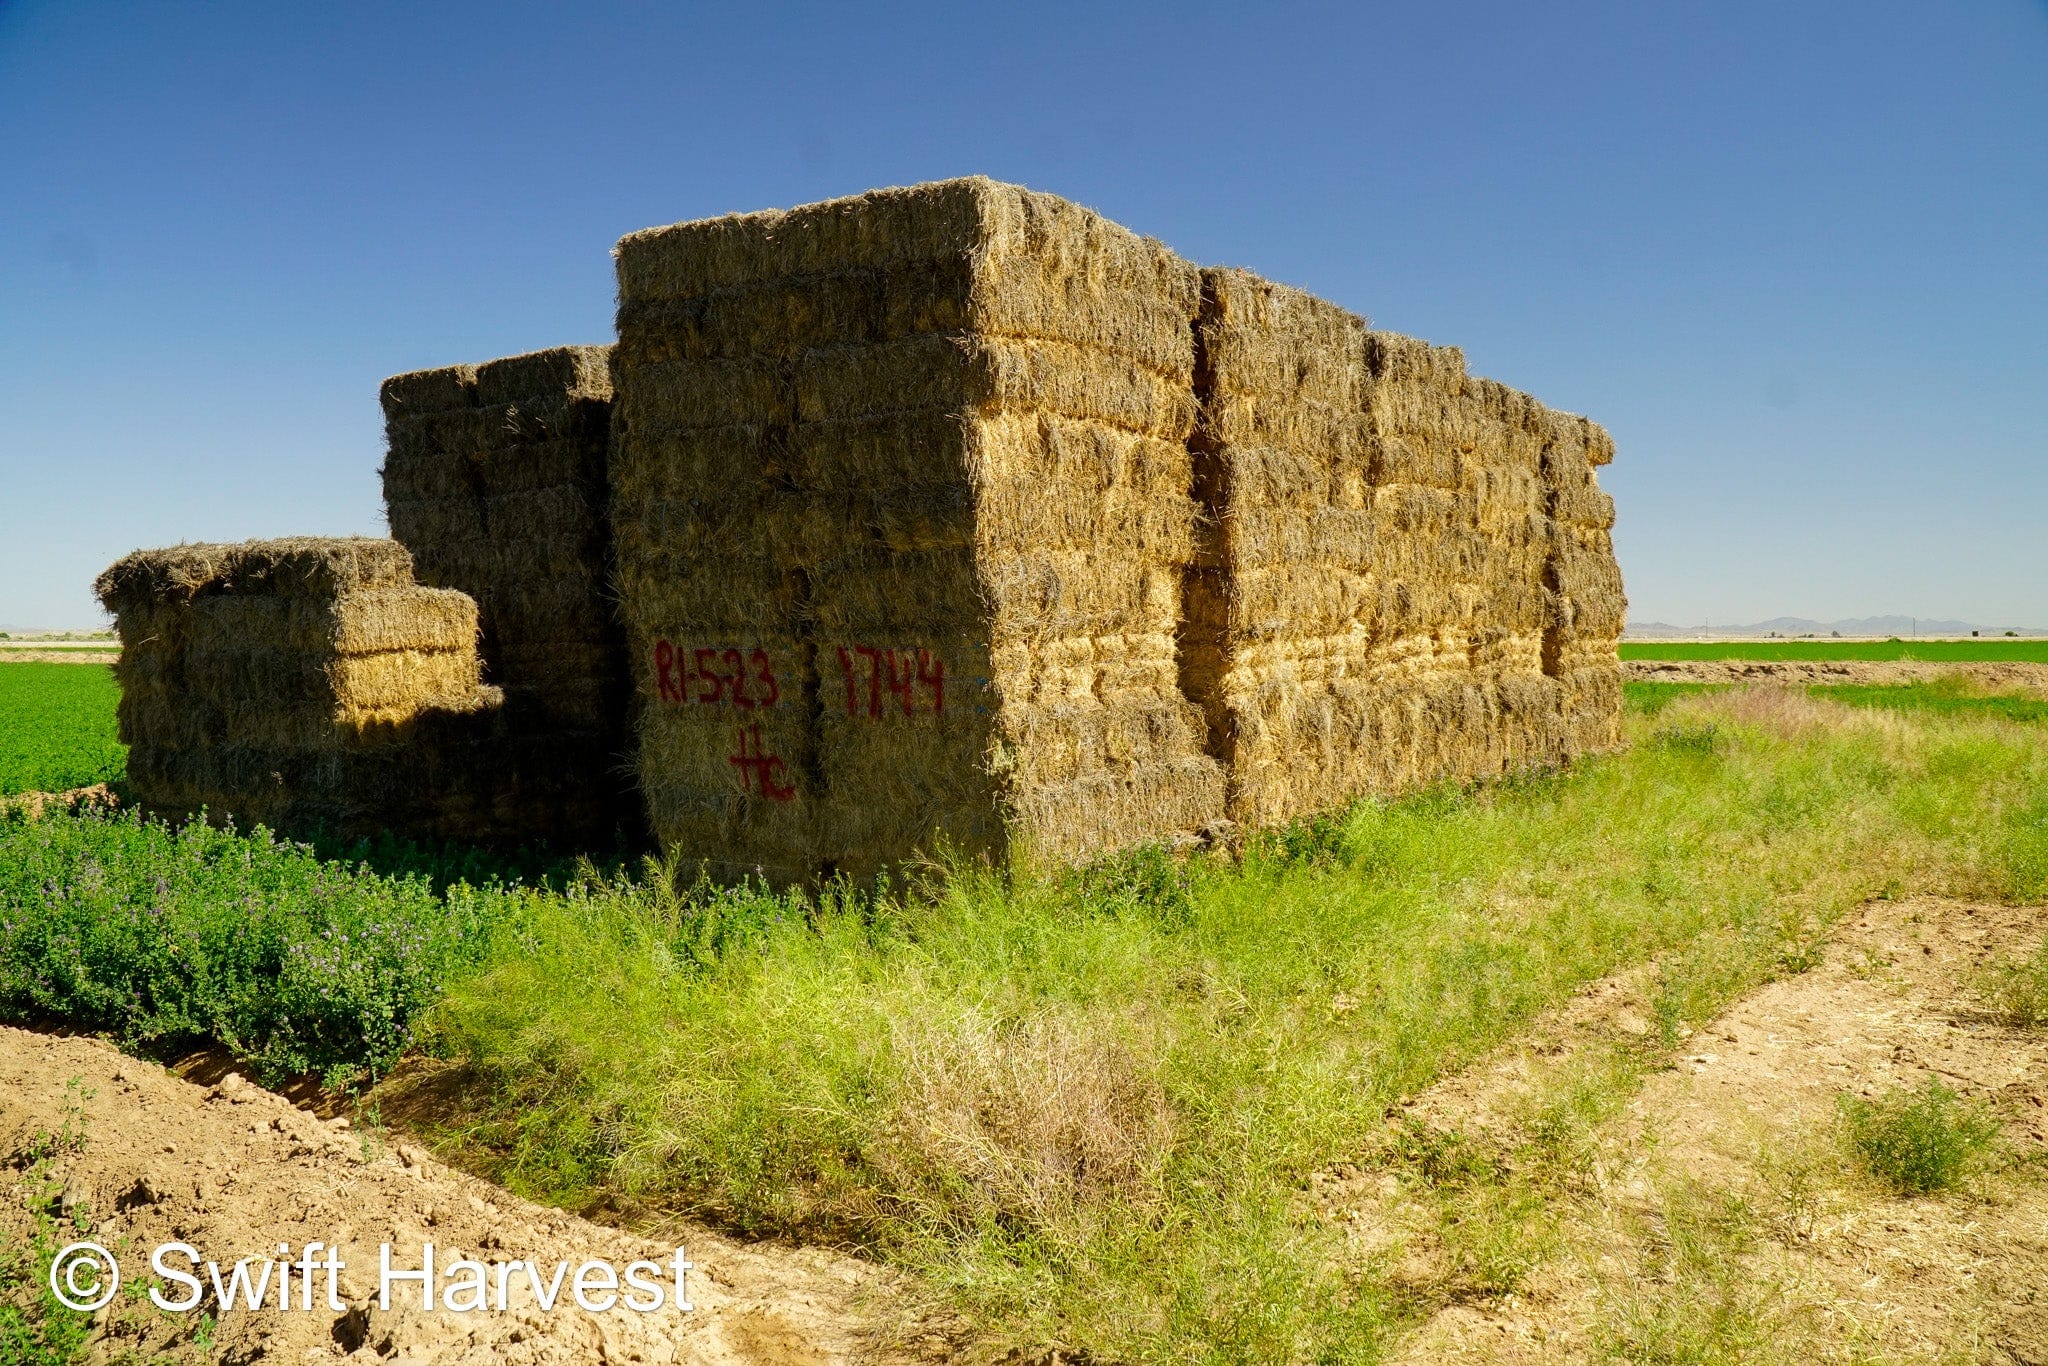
(1585, 606)
(1278, 605)
(295, 683)
(925, 452)
(1408, 577)
(497, 480)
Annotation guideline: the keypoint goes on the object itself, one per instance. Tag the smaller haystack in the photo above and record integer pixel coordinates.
(496, 481)
(299, 684)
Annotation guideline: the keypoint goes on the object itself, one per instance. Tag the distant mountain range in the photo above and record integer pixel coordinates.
(1902, 627)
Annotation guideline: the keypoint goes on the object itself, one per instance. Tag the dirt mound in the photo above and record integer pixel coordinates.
(2001, 676)
(95, 1145)
(36, 805)
(17, 654)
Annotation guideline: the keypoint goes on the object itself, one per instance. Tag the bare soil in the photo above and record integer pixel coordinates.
(1996, 676)
(234, 1170)
(1719, 1216)
(36, 805)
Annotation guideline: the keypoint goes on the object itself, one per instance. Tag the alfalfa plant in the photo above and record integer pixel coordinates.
(1917, 1140)
(36, 1327)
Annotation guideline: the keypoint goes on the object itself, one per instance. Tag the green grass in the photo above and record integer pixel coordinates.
(57, 727)
(1647, 699)
(1086, 1108)
(1941, 696)
(1987, 650)
(2017, 992)
(1917, 1140)
(1698, 1299)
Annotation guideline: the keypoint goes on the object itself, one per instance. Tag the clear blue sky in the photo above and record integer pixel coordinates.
(1795, 256)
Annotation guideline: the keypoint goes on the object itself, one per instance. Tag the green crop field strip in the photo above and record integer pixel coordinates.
(1938, 697)
(1934, 697)
(1993, 651)
(57, 727)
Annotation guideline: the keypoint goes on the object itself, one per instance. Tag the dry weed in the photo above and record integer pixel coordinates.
(1032, 1120)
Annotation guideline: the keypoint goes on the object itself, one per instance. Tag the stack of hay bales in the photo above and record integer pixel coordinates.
(1279, 625)
(496, 481)
(297, 683)
(1585, 605)
(1373, 612)
(1458, 490)
(901, 510)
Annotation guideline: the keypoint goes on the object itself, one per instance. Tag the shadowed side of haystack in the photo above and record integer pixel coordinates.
(496, 480)
(1585, 608)
(301, 684)
(901, 511)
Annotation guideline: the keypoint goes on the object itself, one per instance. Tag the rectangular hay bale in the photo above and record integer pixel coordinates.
(900, 435)
(1403, 556)
(498, 480)
(291, 683)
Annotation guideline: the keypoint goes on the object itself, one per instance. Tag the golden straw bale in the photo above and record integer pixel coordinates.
(312, 565)
(1405, 572)
(294, 683)
(925, 451)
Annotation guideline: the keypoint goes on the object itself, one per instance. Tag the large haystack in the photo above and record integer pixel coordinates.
(495, 480)
(303, 683)
(902, 506)
(1385, 598)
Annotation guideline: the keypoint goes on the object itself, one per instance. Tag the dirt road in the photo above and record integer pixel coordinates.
(1717, 1217)
(2004, 677)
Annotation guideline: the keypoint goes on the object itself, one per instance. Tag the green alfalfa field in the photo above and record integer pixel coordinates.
(1371, 1088)
(57, 727)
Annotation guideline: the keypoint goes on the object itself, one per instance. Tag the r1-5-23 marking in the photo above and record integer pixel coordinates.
(714, 675)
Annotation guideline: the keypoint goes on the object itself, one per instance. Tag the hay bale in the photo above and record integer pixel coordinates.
(901, 508)
(1387, 595)
(496, 479)
(1585, 607)
(290, 683)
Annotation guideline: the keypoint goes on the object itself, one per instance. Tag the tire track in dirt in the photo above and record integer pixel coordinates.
(1719, 1208)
